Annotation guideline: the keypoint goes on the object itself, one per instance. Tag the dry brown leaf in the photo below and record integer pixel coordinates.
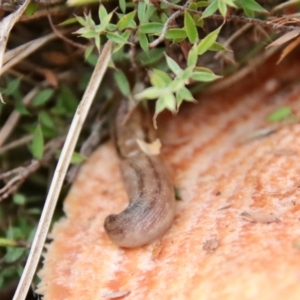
(288, 49)
(50, 77)
(150, 148)
(257, 217)
(284, 38)
(56, 58)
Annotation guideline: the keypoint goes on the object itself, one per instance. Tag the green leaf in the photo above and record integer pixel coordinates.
(104, 23)
(77, 158)
(176, 84)
(168, 101)
(204, 76)
(186, 74)
(208, 41)
(217, 47)
(149, 93)
(151, 57)
(172, 64)
(164, 77)
(141, 12)
(69, 100)
(280, 114)
(176, 33)
(210, 9)
(222, 7)
(42, 97)
(102, 12)
(13, 254)
(190, 27)
(81, 20)
(12, 86)
(122, 4)
(185, 94)
(88, 51)
(151, 28)
(119, 39)
(126, 20)
(193, 56)
(19, 199)
(37, 146)
(31, 9)
(143, 41)
(250, 5)
(46, 119)
(70, 21)
(122, 82)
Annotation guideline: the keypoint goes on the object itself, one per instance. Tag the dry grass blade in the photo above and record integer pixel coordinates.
(5, 27)
(16, 55)
(284, 38)
(60, 172)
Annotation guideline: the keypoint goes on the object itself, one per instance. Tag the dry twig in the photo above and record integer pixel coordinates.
(60, 172)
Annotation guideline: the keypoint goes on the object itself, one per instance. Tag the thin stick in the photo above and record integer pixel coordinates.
(60, 172)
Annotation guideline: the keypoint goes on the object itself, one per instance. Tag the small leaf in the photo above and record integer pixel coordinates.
(250, 5)
(204, 76)
(222, 7)
(37, 147)
(169, 102)
(193, 56)
(150, 148)
(156, 80)
(210, 9)
(42, 97)
(103, 25)
(190, 27)
(151, 57)
(149, 93)
(77, 158)
(151, 28)
(122, 4)
(143, 41)
(88, 51)
(102, 12)
(164, 77)
(172, 64)
(218, 47)
(122, 82)
(116, 38)
(46, 119)
(12, 86)
(13, 254)
(176, 33)
(208, 41)
(280, 114)
(142, 12)
(126, 20)
(31, 9)
(185, 75)
(19, 199)
(185, 94)
(176, 84)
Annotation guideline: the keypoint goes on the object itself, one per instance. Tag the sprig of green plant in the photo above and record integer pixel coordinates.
(147, 24)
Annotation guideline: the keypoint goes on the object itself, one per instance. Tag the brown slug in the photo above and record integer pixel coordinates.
(150, 191)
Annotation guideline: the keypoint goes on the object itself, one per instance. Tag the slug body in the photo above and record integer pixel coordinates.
(151, 209)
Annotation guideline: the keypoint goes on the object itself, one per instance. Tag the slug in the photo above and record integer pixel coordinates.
(150, 191)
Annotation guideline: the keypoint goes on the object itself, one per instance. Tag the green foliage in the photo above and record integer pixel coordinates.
(280, 114)
(141, 23)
